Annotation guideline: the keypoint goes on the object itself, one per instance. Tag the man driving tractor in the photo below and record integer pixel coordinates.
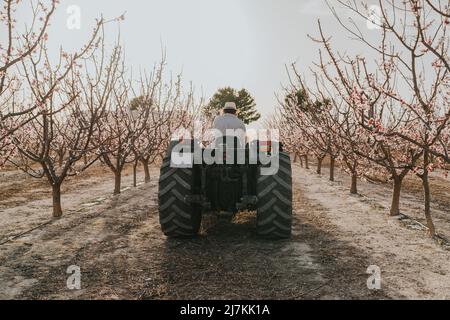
(225, 188)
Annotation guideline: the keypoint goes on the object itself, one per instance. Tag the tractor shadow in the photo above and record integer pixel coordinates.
(229, 261)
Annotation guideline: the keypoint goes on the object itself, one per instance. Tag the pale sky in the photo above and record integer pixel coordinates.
(215, 43)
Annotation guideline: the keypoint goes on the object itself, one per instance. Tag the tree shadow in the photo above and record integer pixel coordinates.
(229, 261)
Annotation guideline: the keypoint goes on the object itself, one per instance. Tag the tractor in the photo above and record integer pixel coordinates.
(236, 180)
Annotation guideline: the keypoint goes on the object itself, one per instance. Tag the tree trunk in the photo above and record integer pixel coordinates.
(57, 209)
(301, 162)
(395, 206)
(319, 165)
(426, 189)
(117, 182)
(332, 164)
(354, 187)
(135, 164)
(146, 171)
(427, 195)
(306, 162)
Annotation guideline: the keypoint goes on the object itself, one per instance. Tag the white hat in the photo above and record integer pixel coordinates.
(230, 106)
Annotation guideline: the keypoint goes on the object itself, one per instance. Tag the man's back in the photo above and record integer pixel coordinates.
(228, 121)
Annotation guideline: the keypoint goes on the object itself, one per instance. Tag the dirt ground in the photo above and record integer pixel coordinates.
(379, 192)
(117, 243)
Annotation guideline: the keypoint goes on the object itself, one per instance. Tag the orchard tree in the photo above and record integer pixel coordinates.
(16, 45)
(59, 135)
(117, 129)
(311, 115)
(174, 109)
(375, 115)
(161, 103)
(414, 77)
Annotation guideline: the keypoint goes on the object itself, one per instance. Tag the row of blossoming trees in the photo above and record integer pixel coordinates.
(58, 119)
(391, 115)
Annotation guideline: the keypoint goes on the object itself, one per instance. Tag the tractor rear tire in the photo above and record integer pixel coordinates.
(178, 218)
(274, 209)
